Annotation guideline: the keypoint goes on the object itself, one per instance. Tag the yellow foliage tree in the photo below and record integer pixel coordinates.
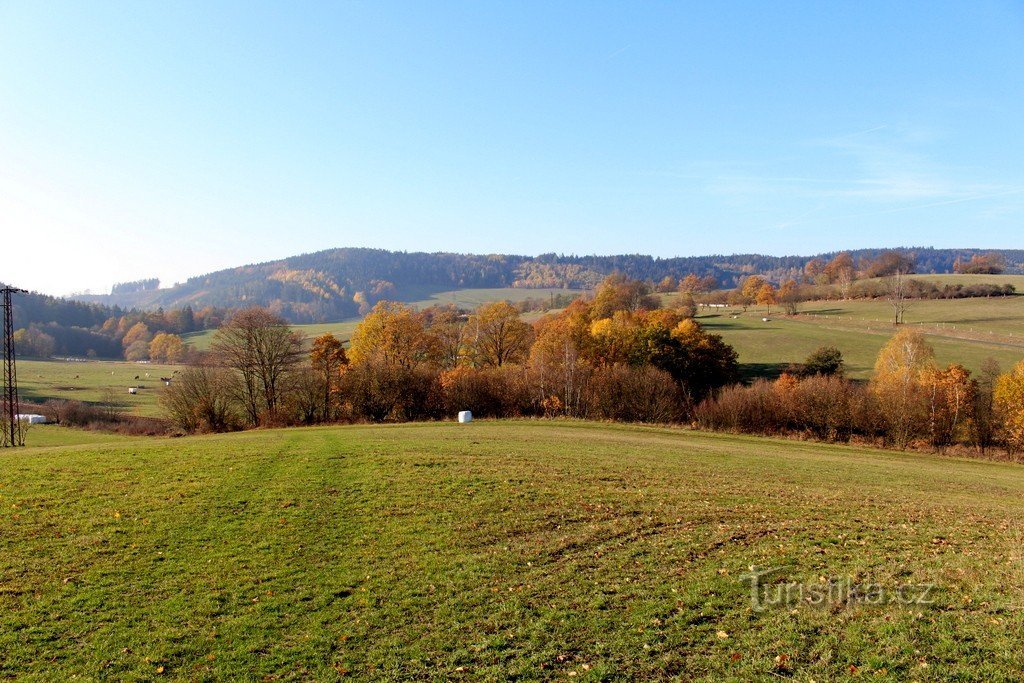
(950, 396)
(166, 348)
(766, 296)
(327, 358)
(1009, 404)
(495, 336)
(394, 335)
(898, 387)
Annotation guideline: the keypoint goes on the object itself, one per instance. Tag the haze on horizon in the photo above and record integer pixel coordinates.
(145, 140)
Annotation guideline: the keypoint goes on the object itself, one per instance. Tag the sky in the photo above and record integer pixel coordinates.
(145, 139)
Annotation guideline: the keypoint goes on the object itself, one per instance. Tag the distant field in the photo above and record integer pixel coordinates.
(95, 381)
(472, 298)
(962, 331)
(539, 550)
(463, 298)
(951, 279)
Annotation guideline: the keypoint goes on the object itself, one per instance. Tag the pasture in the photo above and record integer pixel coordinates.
(468, 299)
(965, 331)
(95, 382)
(499, 550)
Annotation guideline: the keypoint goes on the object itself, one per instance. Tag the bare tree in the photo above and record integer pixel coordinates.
(263, 350)
(897, 293)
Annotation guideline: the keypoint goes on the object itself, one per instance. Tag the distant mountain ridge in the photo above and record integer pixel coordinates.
(339, 283)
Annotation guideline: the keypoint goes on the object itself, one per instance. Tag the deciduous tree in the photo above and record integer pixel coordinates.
(897, 385)
(327, 359)
(167, 348)
(495, 336)
(1009, 403)
(393, 334)
(262, 350)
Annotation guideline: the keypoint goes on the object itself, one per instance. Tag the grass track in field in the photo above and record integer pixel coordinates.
(500, 549)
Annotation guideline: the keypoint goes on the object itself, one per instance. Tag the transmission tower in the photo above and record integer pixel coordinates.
(13, 434)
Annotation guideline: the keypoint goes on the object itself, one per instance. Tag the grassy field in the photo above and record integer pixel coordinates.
(957, 279)
(95, 382)
(505, 550)
(962, 331)
(463, 298)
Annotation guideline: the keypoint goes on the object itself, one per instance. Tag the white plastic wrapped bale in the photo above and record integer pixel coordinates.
(32, 419)
(465, 416)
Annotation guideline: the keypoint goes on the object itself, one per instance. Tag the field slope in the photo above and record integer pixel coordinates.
(526, 550)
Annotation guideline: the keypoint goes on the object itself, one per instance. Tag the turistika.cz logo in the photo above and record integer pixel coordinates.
(766, 592)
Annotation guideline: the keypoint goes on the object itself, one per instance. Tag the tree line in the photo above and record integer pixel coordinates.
(340, 283)
(910, 400)
(618, 355)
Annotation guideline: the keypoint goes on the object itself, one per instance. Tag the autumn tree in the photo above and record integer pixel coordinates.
(789, 296)
(558, 359)
(696, 285)
(394, 335)
(897, 385)
(32, 341)
(704, 363)
(166, 348)
(1009, 405)
(766, 296)
(495, 336)
(327, 359)
(667, 284)
(619, 293)
(199, 399)
(949, 394)
(841, 272)
(992, 263)
(889, 263)
(136, 342)
(263, 351)
(984, 425)
(750, 288)
(446, 324)
(813, 270)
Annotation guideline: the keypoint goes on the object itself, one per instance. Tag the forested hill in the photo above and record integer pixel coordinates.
(338, 283)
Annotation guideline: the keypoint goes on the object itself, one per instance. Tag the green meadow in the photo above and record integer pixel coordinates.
(965, 331)
(539, 550)
(95, 382)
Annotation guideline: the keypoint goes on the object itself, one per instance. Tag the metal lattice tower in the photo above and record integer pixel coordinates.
(13, 434)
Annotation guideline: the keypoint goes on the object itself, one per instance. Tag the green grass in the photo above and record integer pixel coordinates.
(48, 435)
(955, 279)
(473, 298)
(501, 550)
(463, 298)
(963, 331)
(94, 382)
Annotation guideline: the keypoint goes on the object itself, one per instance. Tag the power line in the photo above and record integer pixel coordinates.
(13, 434)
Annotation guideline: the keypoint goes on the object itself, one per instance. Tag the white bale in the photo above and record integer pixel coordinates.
(32, 419)
(465, 416)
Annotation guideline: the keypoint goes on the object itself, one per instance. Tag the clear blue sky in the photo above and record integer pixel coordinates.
(146, 139)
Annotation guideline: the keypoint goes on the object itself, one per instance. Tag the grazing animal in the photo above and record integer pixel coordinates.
(136, 376)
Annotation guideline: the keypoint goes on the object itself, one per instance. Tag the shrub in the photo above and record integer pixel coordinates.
(634, 394)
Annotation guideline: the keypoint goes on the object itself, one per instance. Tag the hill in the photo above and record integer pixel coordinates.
(336, 284)
(502, 550)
